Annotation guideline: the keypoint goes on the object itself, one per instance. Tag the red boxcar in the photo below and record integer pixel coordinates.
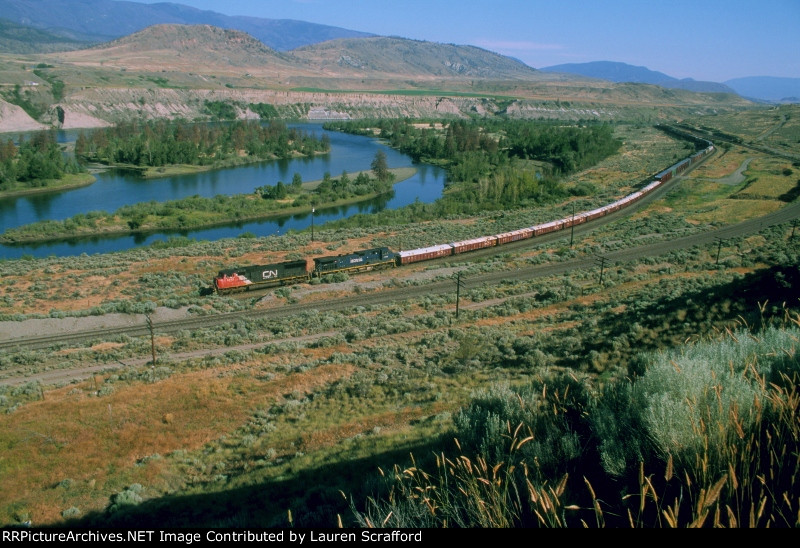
(425, 253)
(473, 244)
(514, 235)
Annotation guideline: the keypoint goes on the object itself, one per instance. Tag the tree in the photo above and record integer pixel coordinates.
(341, 184)
(297, 182)
(380, 166)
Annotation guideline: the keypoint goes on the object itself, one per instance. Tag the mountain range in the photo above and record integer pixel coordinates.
(757, 88)
(96, 21)
(41, 26)
(74, 24)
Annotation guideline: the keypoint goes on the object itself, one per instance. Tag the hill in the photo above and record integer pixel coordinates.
(209, 49)
(399, 56)
(184, 48)
(99, 21)
(173, 71)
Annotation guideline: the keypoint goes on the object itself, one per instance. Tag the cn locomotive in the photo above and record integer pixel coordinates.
(291, 272)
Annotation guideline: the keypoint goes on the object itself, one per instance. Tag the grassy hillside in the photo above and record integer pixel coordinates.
(258, 420)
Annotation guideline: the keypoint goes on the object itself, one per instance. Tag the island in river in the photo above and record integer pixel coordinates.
(197, 212)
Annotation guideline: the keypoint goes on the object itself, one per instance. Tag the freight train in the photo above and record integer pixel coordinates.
(291, 272)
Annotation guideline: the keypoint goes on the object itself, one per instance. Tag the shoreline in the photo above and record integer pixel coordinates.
(401, 174)
(84, 179)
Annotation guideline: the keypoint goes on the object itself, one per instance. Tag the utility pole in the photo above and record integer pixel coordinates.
(572, 232)
(459, 285)
(602, 268)
(312, 223)
(152, 337)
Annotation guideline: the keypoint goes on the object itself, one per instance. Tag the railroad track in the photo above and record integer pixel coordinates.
(382, 297)
(386, 296)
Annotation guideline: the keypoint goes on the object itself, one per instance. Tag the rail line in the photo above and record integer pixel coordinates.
(385, 296)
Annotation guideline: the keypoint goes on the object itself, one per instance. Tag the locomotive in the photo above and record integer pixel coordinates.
(291, 272)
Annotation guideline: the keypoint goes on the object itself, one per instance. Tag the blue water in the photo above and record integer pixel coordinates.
(115, 188)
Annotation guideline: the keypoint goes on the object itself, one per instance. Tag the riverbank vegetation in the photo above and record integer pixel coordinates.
(496, 165)
(296, 198)
(156, 144)
(492, 166)
(37, 164)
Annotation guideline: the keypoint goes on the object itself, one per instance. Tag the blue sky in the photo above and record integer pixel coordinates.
(713, 40)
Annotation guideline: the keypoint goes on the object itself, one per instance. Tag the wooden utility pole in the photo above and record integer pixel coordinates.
(459, 285)
(602, 268)
(572, 232)
(152, 337)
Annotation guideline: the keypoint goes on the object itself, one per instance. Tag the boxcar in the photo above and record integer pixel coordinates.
(425, 253)
(514, 235)
(544, 228)
(650, 187)
(359, 260)
(473, 244)
(258, 276)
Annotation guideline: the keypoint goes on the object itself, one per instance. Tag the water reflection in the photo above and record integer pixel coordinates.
(116, 188)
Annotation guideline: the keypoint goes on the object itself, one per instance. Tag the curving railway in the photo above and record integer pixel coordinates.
(786, 214)
(253, 277)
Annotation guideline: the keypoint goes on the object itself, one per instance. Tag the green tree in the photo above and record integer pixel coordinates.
(380, 167)
(297, 182)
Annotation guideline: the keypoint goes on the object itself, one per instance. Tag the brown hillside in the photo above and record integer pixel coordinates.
(200, 48)
(172, 71)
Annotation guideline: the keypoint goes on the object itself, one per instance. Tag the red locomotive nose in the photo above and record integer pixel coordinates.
(227, 282)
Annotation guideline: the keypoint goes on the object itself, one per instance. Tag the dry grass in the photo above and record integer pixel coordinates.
(96, 442)
(722, 165)
(735, 210)
(746, 481)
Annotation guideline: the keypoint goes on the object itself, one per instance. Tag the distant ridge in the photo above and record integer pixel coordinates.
(15, 38)
(768, 88)
(623, 72)
(391, 55)
(612, 71)
(191, 48)
(98, 21)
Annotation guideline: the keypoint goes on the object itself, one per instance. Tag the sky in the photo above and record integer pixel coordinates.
(712, 40)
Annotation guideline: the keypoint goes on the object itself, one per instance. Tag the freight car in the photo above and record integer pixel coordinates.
(473, 244)
(425, 253)
(253, 277)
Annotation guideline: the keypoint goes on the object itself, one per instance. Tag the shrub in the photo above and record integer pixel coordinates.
(130, 496)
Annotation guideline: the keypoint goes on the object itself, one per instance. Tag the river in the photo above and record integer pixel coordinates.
(116, 188)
